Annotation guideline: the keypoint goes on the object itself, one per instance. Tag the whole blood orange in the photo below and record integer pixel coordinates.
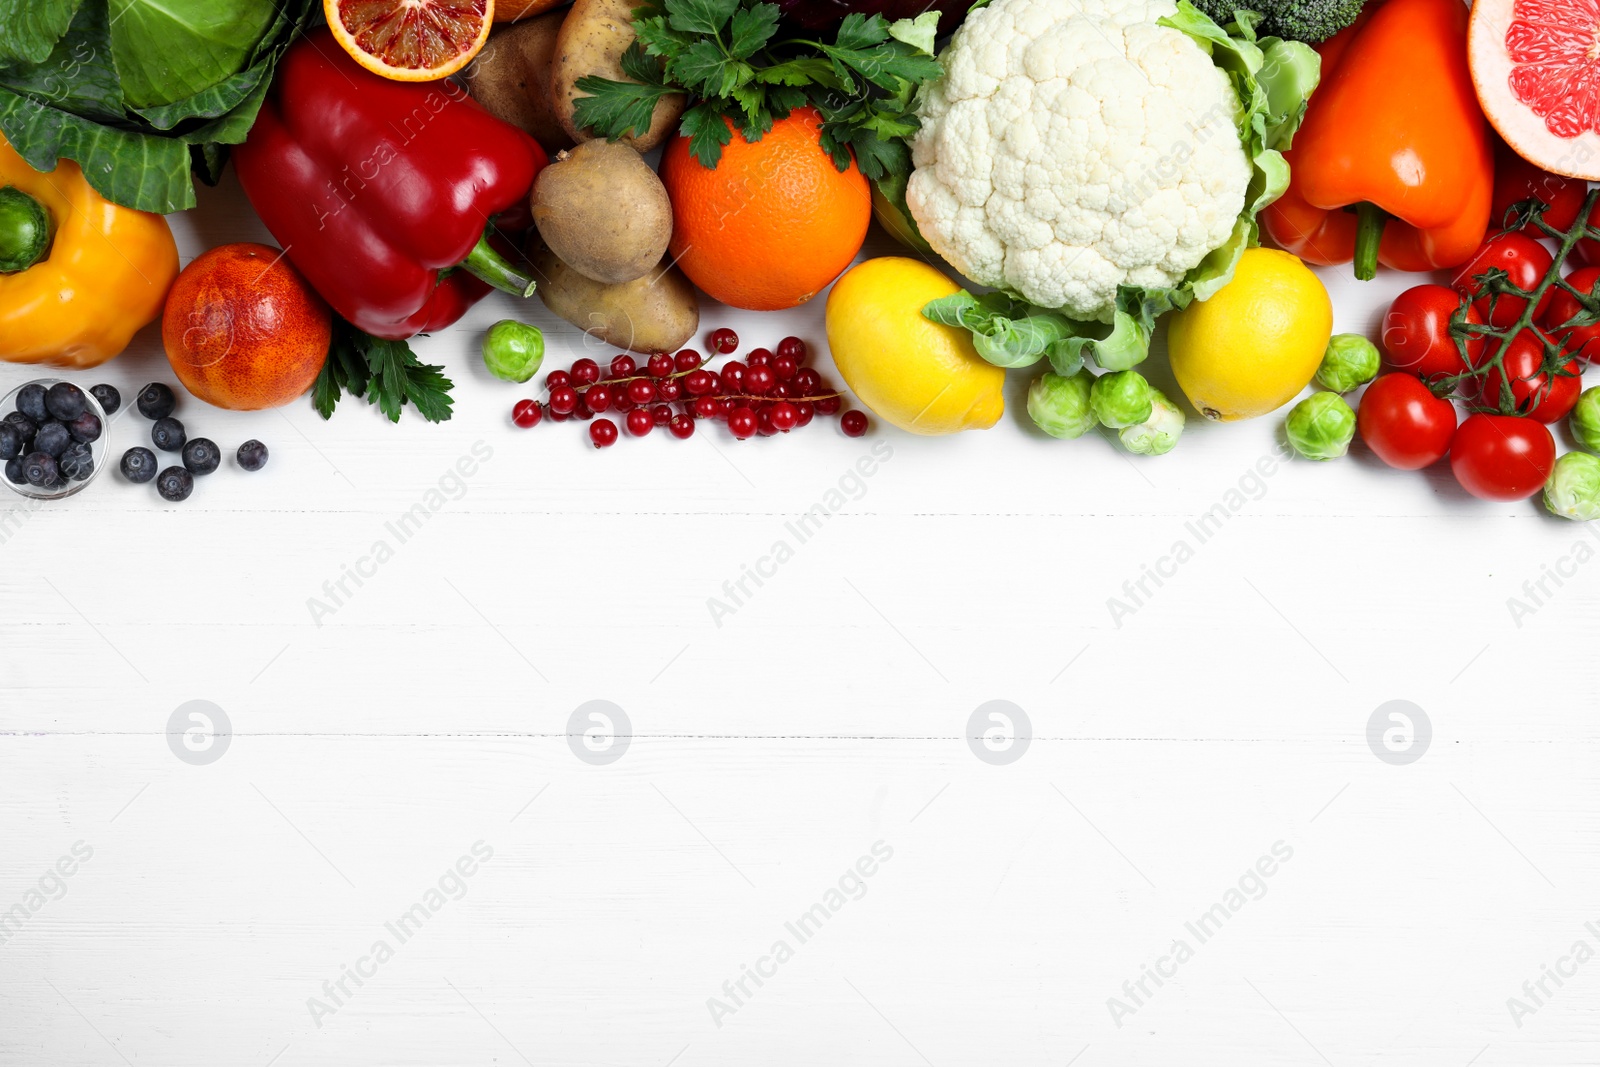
(243, 330)
(773, 223)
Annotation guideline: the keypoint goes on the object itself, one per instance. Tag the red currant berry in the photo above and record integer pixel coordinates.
(759, 380)
(784, 416)
(724, 407)
(556, 379)
(759, 357)
(560, 416)
(621, 404)
(699, 382)
(742, 421)
(603, 433)
(681, 427)
(784, 367)
(853, 423)
(669, 389)
(807, 381)
(781, 390)
(705, 408)
(764, 424)
(563, 400)
(597, 398)
(622, 366)
(688, 359)
(794, 348)
(804, 412)
(723, 341)
(828, 405)
(527, 413)
(640, 422)
(641, 391)
(660, 414)
(733, 376)
(660, 365)
(585, 372)
(582, 413)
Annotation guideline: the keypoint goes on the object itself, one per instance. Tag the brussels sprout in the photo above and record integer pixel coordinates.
(1060, 406)
(1585, 421)
(513, 350)
(1321, 426)
(1573, 491)
(1350, 360)
(1120, 398)
(1157, 435)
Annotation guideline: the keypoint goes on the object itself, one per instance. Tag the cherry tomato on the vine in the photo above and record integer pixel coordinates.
(1525, 262)
(1502, 457)
(1403, 423)
(1580, 341)
(1536, 394)
(1416, 333)
(1515, 179)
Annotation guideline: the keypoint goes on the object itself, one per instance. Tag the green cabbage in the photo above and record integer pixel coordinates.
(139, 92)
(1274, 80)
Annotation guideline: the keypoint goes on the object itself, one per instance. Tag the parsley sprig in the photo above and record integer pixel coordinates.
(385, 373)
(723, 54)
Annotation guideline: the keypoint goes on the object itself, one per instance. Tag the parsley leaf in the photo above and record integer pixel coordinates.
(707, 131)
(752, 28)
(386, 373)
(700, 16)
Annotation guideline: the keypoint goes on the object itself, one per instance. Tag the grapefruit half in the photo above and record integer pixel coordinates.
(1536, 66)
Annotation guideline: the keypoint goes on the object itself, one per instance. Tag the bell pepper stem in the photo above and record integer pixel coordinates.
(490, 266)
(1370, 221)
(24, 230)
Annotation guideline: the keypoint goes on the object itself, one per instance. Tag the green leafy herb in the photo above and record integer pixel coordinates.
(385, 373)
(722, 54)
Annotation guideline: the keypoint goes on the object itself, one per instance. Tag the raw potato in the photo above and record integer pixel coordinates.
(592, 40)
(656, 313)
(520, 10)
(603, 212)
(511, 78)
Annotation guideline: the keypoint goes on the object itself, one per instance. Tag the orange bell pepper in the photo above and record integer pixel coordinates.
(79, 276)
(1393, 163)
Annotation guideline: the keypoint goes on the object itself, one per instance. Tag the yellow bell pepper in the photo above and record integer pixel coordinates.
(79, 276)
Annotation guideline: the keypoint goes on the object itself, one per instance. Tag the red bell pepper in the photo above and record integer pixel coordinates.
(380, 190)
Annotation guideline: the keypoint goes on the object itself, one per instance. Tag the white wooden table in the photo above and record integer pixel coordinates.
(807, 749)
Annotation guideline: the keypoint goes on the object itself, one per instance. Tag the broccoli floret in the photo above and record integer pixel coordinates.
(1293, 20)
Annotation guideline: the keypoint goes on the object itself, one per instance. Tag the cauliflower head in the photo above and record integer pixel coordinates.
(1074, 146)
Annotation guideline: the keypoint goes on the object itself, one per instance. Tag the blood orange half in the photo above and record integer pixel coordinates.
(1536, 66)
(411, 40)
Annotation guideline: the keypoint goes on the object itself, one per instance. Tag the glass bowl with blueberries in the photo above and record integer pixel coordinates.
(53, 436)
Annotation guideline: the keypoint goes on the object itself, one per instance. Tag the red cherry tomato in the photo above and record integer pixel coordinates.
(1405, 424)
(1515, 179)
(1416, 333)
(1537, 395)
(1525, 260)
(1588, 252)
(1580, 341)
(1502, 457)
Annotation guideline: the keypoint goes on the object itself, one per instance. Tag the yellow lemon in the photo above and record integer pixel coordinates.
(1257, 342)
(918, 375)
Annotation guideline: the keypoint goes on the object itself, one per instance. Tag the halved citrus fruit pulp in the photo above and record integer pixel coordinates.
(411, 40)
(1536, 66)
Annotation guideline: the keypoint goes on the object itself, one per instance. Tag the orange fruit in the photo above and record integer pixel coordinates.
(517, 10)
(773, 223)
(411, 40)
(243, 330)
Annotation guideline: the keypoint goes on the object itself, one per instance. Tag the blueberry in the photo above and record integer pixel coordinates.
(65, 401)
(138, 465)
(175, 484)
(77, 462)
(201, 456)
(86, 427)
(10, 440)
(156, 401)
(41, 471)
(108, 396)
(30, 401)
(252, 455)
(25, 426)
(14, 472)
(168, 434)
(52, 439)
